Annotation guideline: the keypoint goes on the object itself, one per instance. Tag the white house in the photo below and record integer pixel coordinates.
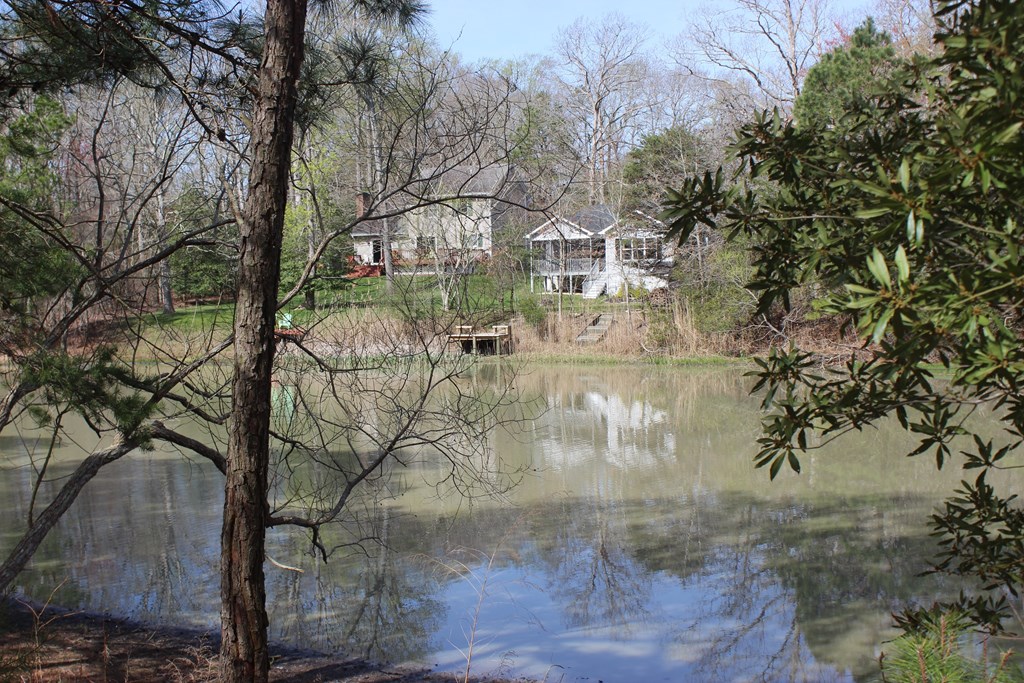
(595, 252)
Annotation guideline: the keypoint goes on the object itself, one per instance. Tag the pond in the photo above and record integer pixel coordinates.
(640, 543)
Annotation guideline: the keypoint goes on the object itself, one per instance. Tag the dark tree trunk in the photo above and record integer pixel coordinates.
(243, 652)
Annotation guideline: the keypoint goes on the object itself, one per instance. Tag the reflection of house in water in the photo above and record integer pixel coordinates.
(626, 434)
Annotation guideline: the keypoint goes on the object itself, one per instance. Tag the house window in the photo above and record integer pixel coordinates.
(635, 249)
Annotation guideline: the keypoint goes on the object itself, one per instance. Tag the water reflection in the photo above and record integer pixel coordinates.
(642, 544)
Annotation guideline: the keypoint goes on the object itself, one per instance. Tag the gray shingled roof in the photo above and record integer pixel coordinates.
(468, 180)
(594, 218)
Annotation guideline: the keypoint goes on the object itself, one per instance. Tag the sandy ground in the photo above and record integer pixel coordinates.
(57, 645)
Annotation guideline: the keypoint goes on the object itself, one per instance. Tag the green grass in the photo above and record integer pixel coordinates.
(197, 318)
(420, 293)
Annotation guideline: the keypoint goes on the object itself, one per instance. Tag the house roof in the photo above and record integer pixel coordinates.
(467, 181)
(596, 221)
(589, 222)
(366, 229)
(637, 223)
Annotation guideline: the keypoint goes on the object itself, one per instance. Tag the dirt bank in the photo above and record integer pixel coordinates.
(58, 645)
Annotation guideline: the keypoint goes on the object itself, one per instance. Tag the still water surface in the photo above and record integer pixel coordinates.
(640, 545)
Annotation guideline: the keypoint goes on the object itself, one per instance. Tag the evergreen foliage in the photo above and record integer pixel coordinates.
(844, 75)
(33, 262)
(49, 44)
(909, 215)
(940, 650)
(91, 386)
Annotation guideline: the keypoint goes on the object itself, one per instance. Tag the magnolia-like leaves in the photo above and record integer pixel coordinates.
(905, 219)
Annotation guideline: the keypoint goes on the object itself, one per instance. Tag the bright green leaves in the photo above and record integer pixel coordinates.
(915, 229)
(902, 265)
(875, 306)
(1009, 134)
(905, 175)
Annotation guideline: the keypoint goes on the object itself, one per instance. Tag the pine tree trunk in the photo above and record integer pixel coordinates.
(244, 655)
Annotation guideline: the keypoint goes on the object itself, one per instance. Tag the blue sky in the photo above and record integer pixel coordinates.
(492, 29)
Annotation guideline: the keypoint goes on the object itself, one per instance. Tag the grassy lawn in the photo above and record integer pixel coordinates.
(478, 296)
(475, 293)
(203, 317)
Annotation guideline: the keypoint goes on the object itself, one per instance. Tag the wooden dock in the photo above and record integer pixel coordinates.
(497, 341)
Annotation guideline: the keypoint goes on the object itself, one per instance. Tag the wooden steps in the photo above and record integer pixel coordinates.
(596, 329)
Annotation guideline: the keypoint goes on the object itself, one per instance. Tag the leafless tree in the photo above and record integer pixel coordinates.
(108, 189)
(604, 71)
(769, 43)
(911, 24)
(113, 187)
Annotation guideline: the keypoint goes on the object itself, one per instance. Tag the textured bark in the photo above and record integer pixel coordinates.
(243, 611)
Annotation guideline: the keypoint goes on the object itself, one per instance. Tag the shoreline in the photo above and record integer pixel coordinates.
(41, 642)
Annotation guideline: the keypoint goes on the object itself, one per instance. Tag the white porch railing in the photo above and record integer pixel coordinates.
(572, 266)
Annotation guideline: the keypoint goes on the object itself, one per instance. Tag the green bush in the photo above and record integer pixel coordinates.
(532, 311)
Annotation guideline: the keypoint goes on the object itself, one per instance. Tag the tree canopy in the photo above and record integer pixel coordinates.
(661, 160)
(909, 216)
(846, 73)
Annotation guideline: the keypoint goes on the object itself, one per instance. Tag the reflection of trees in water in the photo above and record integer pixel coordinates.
(848, 572)
(591, 571)
(773, 580)
(372, 603)
(789, 584)
(137, 546)
(748, 620)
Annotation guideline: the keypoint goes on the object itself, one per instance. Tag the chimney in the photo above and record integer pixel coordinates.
(363, 201)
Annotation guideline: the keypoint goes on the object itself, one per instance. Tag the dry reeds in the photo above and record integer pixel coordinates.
(637, 333)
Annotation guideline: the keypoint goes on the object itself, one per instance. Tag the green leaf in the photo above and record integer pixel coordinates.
(902, 266)
(905, 175)
(1009, 134)
(881, 325)
(863, 302)
(794, 462)
(858, 289)
(878, 268)
(873, 212)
